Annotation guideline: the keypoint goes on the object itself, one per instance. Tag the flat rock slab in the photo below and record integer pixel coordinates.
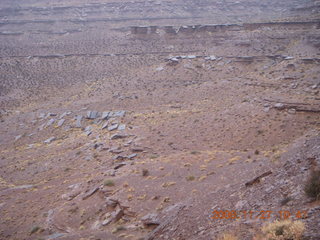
(92, 114)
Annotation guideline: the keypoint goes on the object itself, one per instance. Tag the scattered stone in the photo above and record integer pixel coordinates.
(113, 127)
(51, 115)
(279, 106)
(61, 122)
(132, 156)
(42, 115)
(78, 121)
(211, 58)
(42, 127)
(105, 115)
(266, 109)
(118, 136)
(88, 158)
(288, 58)
(49, 140)
(92, 114)
(90, 193)
(121, 127)
(50, 122)
(119, 157)
(160, 69)
(64, 114)
(30, 146)
(105, 125)
(88, 130)
(314, 86)
(17, 137)
(137, 149)
(150, 219)
(119, 165)
(292, 111)
(115, 150)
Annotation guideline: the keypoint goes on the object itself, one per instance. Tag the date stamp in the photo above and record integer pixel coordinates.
(261, 214)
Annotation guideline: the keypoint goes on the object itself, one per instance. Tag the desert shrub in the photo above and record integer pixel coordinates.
(312, 186)
(108, 183)
(283, 230)
(145, 172)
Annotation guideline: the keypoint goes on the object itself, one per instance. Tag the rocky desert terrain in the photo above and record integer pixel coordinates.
(141, 119)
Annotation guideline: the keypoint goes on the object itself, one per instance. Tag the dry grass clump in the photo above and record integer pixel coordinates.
(283, 230)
